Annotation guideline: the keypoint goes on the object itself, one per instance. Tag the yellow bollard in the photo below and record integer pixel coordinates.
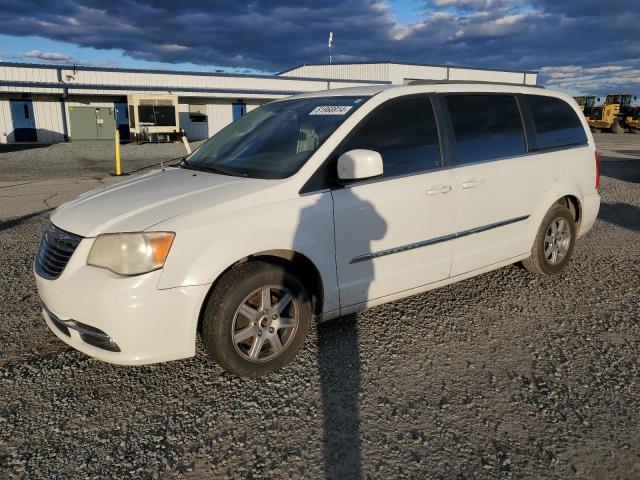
(118, 165)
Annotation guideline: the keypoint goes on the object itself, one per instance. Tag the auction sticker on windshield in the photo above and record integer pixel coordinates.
(331, 110)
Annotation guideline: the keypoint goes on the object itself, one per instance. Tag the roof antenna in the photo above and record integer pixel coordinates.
(330, 46)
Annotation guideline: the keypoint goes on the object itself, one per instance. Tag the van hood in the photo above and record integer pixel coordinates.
(137, 204)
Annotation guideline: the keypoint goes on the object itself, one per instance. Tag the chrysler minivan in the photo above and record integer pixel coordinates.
(314, 207)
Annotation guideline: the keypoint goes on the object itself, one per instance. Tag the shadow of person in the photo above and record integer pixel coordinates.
(338, 345)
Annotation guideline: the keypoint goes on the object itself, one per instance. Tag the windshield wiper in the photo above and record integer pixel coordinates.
(212, 169)
(224, 171)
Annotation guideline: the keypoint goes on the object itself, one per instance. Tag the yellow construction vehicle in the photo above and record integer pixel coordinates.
(586, 102)
(633, 122)
(613, 115)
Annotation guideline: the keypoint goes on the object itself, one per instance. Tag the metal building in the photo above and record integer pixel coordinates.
(55, 103)
(399, 73)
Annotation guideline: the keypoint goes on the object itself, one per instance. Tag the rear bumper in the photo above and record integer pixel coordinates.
(590, 208)
(122, 320)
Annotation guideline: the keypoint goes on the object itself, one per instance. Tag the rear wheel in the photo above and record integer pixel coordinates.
(256, 320)
(634, 131)
(616, 127)
(554, 242)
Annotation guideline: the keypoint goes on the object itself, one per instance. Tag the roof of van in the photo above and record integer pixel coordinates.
(431, 86)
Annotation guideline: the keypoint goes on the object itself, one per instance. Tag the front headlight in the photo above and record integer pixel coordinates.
(131, 253)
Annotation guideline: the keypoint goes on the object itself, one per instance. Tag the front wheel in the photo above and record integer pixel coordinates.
(554, 242)
(256, 319)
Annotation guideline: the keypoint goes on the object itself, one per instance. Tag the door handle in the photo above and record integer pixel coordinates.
(439, 189)
(474, 182)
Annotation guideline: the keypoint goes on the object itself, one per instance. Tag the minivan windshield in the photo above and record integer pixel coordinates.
(274, 140)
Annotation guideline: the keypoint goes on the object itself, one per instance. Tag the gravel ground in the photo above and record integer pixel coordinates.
(504, 375)
(36, 162)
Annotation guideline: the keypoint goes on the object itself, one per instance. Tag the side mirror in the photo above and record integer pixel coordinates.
(359, 165)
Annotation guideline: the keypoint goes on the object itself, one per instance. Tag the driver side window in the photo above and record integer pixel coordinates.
(404, 132)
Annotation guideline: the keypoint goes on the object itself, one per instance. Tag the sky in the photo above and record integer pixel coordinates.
(580, 46)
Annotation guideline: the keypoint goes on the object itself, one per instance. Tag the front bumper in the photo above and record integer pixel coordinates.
(122, 320)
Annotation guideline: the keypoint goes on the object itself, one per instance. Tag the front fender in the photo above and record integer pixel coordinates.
(208, 243)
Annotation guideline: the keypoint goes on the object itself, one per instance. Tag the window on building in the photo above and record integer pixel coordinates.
(158, 115)
(556, 123)
(403, 132)
(197, 113)
(486, 127)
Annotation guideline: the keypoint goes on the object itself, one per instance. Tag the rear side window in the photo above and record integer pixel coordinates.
(486, 127)
(404, 132)
(556, 123)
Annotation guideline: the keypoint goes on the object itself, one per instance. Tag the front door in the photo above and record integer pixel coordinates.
(497, 183)
(24, 122)
(390, 232)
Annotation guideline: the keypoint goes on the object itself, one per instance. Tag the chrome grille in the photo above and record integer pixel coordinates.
(55, 250)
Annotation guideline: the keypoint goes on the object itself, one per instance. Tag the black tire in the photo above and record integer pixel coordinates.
(229, 294)
(538, 261)
(594, 129)
(635, 131)
(616, 127)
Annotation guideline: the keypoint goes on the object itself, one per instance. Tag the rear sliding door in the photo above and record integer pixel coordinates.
(498, 184)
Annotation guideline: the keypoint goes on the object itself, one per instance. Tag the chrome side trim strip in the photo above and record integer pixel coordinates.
(433, 241)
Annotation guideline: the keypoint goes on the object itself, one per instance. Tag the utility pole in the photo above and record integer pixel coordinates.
(330, 46)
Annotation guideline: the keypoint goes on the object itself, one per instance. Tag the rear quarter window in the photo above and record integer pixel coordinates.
(556, 124)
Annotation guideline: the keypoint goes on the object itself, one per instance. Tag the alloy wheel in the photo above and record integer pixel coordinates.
(557, 241)
(265, 323)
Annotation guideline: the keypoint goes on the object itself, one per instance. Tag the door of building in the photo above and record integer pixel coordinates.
(122, 120)
(24, 122)
(239, 110)
(92, 123)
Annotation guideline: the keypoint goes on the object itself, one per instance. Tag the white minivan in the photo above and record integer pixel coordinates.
(314, 207)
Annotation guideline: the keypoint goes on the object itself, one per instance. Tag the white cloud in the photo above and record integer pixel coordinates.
(599, 80)
(55, 57)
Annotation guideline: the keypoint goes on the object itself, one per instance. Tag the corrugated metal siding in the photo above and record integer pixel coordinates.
(360, 71)
(485, 75)
(253, 105)
(6, 125)
(157, 82)
(219, 115)
(22, 74)
(531, 78)
(399, 73)
(403, 73)
(48, 115)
